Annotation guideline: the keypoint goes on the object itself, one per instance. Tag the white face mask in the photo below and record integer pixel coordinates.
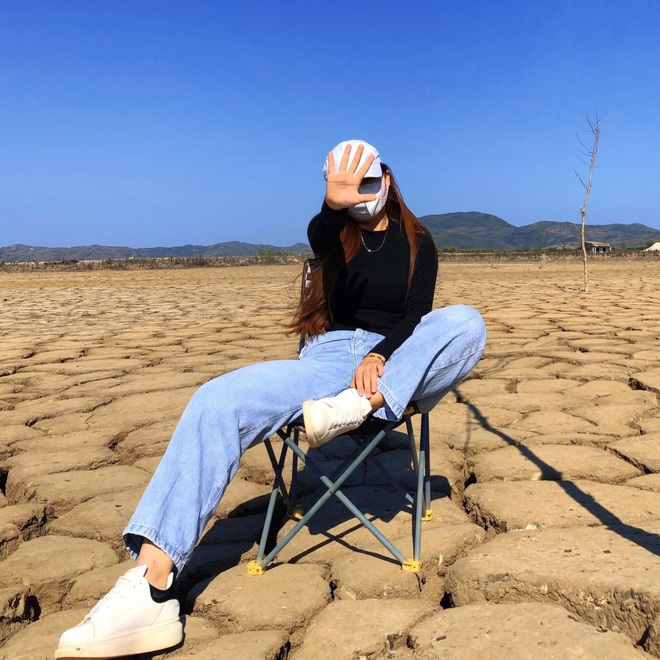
(368, 210)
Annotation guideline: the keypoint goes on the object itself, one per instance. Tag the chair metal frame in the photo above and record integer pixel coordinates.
(366, 438)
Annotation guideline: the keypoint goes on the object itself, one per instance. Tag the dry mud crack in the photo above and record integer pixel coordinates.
(545, 536)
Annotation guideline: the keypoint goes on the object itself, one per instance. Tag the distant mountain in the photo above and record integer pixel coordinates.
(97, 252)
(469, 231)
(465, 231)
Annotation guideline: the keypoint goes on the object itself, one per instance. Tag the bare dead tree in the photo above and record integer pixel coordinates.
(588, 154)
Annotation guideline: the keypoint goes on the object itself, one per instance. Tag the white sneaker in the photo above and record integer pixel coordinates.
(127, 620)
(327, 418)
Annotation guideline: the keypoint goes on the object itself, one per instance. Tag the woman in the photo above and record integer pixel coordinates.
(373, 345)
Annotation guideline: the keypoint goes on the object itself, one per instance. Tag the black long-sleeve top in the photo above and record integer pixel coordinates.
(370, 291)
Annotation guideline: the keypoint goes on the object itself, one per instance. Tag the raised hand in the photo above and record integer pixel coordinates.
(342, 185)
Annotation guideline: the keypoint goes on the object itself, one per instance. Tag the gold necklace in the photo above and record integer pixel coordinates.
(380, 246)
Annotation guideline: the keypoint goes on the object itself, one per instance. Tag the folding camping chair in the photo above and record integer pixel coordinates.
(367, 437)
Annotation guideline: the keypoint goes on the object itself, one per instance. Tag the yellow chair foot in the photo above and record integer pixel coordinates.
(411, 566)
(427, 515)
(297, 513)
(254, 568)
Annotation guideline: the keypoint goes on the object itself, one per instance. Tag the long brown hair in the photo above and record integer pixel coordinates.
(313, 315)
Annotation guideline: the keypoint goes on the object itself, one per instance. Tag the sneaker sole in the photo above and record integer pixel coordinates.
(313, 440)
(143, 640)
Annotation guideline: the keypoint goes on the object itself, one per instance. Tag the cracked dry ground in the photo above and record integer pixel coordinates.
(545, 537)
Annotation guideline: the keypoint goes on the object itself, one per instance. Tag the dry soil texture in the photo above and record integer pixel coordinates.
(545, 536)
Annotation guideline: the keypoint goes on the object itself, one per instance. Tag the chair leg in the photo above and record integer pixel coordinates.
(424, 445)
(422, 504)
(332, 488)
(294, 468)
(278, 470)
(278, 486)
(419, 503)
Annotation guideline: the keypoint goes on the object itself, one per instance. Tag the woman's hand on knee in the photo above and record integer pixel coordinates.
(365, 378)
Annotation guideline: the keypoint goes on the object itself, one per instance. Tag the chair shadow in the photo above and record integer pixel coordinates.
(647, 540)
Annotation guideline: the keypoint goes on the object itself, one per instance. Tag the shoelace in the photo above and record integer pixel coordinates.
(346, 417)
(122, 589)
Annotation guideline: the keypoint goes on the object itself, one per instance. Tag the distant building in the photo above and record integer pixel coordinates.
(596, 247)
(655, 246)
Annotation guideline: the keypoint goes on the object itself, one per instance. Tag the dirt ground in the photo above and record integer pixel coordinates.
(545, 536)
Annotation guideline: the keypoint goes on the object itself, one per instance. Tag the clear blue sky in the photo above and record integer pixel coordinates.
(165, 122)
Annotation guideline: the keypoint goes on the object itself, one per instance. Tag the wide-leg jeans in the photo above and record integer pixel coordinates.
(239, 409)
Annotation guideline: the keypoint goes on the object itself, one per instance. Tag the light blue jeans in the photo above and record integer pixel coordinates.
(231, 413)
